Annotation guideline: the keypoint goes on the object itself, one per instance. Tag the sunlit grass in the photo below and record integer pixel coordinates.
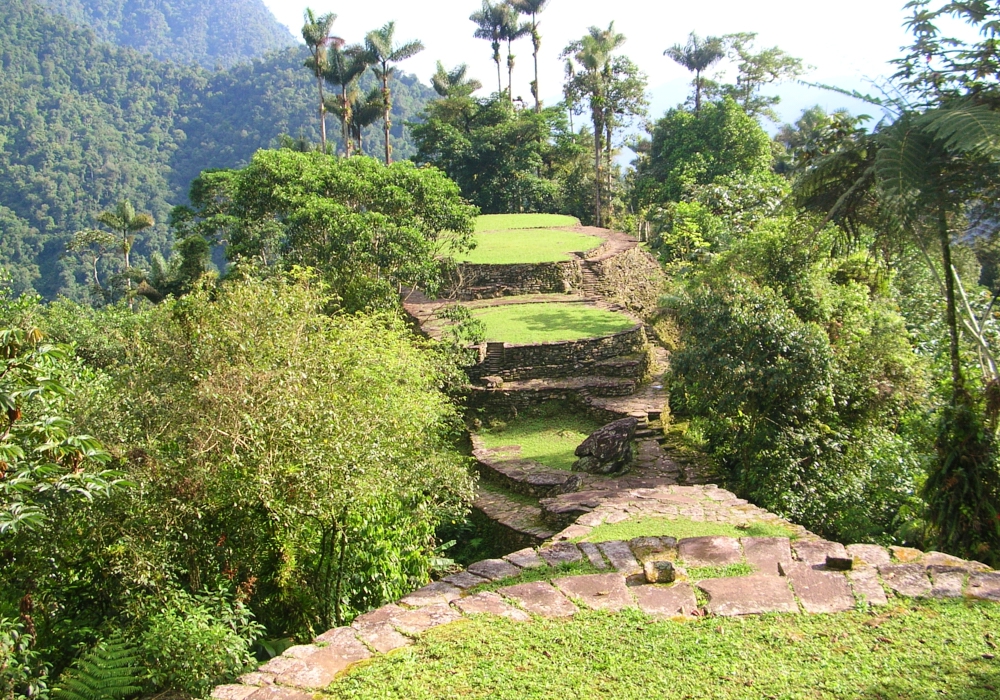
(500, 222)
(527, 246)
(549, 436)
(681, 528)
(540, 323)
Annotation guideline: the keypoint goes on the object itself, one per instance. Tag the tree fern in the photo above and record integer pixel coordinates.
(112, 669)
(964, 128)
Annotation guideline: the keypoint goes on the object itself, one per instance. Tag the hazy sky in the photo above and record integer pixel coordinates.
(844, 41)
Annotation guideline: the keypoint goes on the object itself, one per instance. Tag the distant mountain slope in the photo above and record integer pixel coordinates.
(211, 33)
(84, 124)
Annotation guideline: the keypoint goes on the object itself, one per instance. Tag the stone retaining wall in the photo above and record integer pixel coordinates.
(632, 279)
(568, 358)
(471, 282)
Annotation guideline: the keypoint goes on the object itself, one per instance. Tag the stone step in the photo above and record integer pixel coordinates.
(523, 518)
(526, 477)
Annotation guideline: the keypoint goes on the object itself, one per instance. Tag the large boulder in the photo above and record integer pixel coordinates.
(608, 449)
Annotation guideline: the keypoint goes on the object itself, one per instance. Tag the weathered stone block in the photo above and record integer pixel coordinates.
(908, 580)
(984, 586)
(494, 569)
(597, 591)
(659, 571)
(561, 553)
(748, 595)
(709, 551)
(660, 601)
(432, 594)
(869, 554)
(819, 591)
(867, 586)
(525, 558)
(488, 603)
(621, 557)
(608, 449)
(653, 548)
(816, 552)
(540, 598)
(464, 580)
(766, 553)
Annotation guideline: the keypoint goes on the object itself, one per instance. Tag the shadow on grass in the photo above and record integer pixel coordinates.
(549, 323)
(981, 684)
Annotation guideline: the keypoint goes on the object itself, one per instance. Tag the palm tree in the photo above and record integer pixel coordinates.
(533, 8)
(489, 22)
(380, 45)
(126, 223)
(316, 33)
(593, 53)
(364, 113)
(510, 31)
(454, 83)
(344, 68)
(698, 55)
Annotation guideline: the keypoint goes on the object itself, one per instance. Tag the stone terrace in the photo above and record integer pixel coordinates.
(806, 575)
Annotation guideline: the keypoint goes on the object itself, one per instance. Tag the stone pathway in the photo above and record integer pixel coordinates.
(793, 577)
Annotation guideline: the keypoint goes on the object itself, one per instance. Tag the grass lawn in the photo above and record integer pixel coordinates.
(916, 651)
(681, 528)
(548, 435)
(501, 222)
(521, 324)
(524, 246)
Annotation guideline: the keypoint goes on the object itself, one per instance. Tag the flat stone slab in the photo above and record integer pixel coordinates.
(465, 580)
(233, 692)
(526, 559)
(593, 555)
(748, 595)
(387, 613)
(540, 598)
(620, 556)
(382, 637)
(766, 553)
(432, 594)
(819, 591)
(653, 548)
(908, 580)
(942, 559)
(561, 553)
(870, 554)
(494, 569)
(488, 603)
(867, 586)
(947, 581)
(662, 601)
(313, 667)
(273, 692)
(710, 551)
(256, 678)
(597, 591)
(984, 586)
(906, 555)
(414, 622)
(816, 552)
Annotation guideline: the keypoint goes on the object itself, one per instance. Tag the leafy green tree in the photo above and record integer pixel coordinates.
(454, 83)
(489, 25)
(533, 8)
(755, 70)
(316, 33)
(689, 150)
(370, 228)
(698, 55)
(93, 244)
(383, 51)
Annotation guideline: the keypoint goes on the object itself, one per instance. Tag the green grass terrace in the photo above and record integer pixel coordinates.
(545, 322)
(512, 239)
(547, 434)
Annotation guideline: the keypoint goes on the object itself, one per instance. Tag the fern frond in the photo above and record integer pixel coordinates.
(964, 128)
(903, 164)
(112, 669)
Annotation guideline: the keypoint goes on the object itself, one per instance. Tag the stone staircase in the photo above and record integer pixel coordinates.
(591, 279)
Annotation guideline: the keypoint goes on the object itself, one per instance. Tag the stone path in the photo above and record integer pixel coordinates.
(792, 577)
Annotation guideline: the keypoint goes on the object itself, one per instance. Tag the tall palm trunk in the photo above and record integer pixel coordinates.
(387, 107)
(697, 91)
(536, 45)
(951, 316)
(510, 71)
(345, 120)
(322, 114)
(598, 130)
(496, 59)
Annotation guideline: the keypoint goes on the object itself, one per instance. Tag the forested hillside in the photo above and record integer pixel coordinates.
(84, 124)
(213, 34)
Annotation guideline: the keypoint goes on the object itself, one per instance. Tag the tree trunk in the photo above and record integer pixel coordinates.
(510, 73)
(951, 316)
(597, 171)
(345, 120)
(534, 86)
(322, 115)
(697, 91)
(387, 105)
(496, 59)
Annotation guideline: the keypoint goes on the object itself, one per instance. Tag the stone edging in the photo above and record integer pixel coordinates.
(792, 577)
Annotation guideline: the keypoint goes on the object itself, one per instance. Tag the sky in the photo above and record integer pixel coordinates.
(844, 42)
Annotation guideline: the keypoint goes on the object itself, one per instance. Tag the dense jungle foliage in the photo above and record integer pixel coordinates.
(85, 124)
(199, 468)
(188, 31)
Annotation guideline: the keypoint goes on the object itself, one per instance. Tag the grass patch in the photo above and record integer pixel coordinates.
(521, 324)
(542, 573)
(548, 435)
(504, 222)
(701, 573)
(923, 650)
(519, 498)
(681, 528)
(524, 246)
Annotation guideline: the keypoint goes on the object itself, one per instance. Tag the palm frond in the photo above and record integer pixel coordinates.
(965, 128)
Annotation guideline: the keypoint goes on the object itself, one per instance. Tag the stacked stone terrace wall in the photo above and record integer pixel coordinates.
(472, 282)
(569, 358)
